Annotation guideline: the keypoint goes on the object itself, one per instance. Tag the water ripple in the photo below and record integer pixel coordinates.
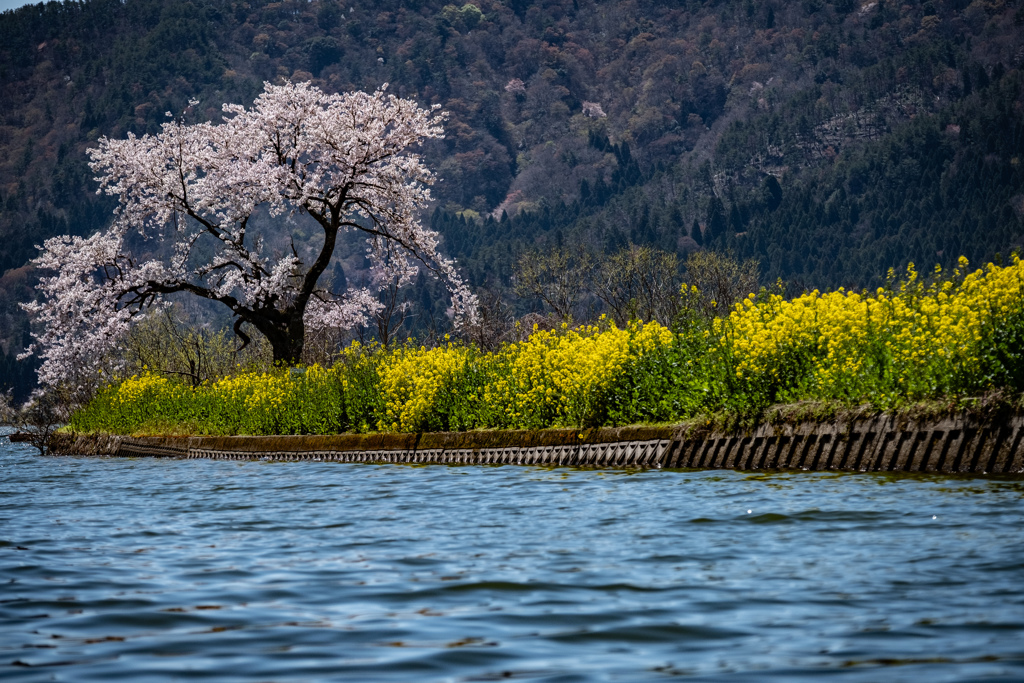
(148, 569)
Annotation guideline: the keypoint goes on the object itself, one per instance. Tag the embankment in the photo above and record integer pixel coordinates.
(884, 443)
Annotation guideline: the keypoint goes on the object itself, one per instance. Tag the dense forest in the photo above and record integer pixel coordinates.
(830, 140)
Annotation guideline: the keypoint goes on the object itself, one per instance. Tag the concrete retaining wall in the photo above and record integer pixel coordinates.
(878, 444)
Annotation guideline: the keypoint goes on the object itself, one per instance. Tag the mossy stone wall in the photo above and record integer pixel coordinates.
(884, 443)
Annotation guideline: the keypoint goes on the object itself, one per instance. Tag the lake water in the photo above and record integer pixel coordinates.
(158, 569)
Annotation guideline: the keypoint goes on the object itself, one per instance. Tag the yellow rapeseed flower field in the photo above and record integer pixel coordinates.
(559, 377)
(919, 340)
(412, 378)
(945, 336)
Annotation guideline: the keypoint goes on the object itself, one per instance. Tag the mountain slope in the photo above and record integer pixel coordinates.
(831, 140)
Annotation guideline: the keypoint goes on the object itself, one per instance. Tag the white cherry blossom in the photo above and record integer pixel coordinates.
(187, 197)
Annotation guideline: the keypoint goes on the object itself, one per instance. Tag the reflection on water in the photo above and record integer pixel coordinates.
(138, 569)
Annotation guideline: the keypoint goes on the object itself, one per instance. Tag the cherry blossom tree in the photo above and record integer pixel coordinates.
(188, 201)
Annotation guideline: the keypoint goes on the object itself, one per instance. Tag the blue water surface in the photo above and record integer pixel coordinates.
(150, 569)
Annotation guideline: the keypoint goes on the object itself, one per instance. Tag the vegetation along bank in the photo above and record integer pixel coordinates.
(950, 341)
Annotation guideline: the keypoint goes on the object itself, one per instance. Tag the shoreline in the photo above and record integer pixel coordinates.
(885, 443)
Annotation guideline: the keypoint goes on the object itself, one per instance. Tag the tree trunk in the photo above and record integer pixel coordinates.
(287, 342)
(287, 352)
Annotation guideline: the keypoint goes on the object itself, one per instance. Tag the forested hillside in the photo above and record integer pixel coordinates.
(830, 140)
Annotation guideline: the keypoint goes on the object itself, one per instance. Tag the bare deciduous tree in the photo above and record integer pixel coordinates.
(495, 322)
(42, 415)
(165, 343)
(639, 283)
(721, 281)
(394, 310)
(558, 277)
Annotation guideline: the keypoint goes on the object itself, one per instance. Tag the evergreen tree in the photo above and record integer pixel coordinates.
(696, 233)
